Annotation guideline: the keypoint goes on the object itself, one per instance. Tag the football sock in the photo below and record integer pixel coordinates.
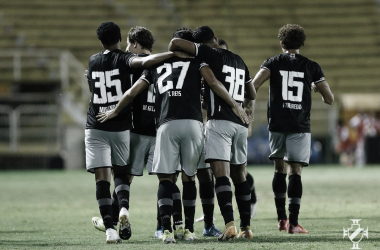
(252, 187)
(159, 224)
(103, 196)
(243, 200)
(206, 193)
(224, 194)
(294, 198)
(122, 191)
(279, 191)
(189, 196)
(165, 203)
(177, 207)
(115, 208)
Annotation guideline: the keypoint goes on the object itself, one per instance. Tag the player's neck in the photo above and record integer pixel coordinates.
(145, 51)
(291, 51)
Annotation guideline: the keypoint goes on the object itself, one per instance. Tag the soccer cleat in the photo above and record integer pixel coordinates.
(98, 223)
(229, 232)
(283, 225)
(253, 209)
(112, 236)
(179, 232)
(212, 231)
(245, 233)
(167, 237)
(125, 231)
(189, 235)
(158, 234)
(296, 229)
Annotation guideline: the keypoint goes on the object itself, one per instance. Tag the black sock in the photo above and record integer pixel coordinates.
(159, 224)
(122, 187)
(103, 196)
(279, 191)
(224, 194)
(251, 183)
(206, 192)
(115, 208)
(243, 200)
(294, 197)
(165, 203)
(189, 196)
(177, 207)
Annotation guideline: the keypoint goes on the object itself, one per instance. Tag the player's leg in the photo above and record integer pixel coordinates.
(243, 199)
(277, 144)
(206, 193)
(218, 141)
(251, 184)
(98, 161)
(238, 176)
(178, 228)
(191, 148)
(297, 156)
(120, 153)
(165, 204)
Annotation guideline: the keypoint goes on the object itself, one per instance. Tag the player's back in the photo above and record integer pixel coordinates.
(230, 69)
(143, 108)
(109, 74)
(290, 91)
(178, 89)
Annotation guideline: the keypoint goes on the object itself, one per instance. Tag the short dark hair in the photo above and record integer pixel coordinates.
(203, 34)
(109, 33)
(222, 42)
(184, 33)
(142, 36)
(292, 36)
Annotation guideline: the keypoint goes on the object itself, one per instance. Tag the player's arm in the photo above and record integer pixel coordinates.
(324, 89)
(219, 89)
(260, 78)
(149, 61)
(249, 105)
(126, 99)
(182, 44)
(250, 91)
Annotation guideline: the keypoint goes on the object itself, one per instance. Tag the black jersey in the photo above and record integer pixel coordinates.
(110, 77)
(143, 108)
(232, 72)
(178, 89)
(289, 101)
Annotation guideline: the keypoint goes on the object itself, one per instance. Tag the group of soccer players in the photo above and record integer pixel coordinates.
(167, 133)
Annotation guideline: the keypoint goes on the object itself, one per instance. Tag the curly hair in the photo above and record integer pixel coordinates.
(108, 33)
(203, 34)
(292, 36)
(142, 36)
(184, 33)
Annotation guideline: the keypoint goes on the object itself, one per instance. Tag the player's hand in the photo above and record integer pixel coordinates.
(182, 54)
(314, 87)
(239, 112)
(104, 116)
(249, 114)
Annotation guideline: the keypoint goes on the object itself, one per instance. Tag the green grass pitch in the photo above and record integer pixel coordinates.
(53, 210)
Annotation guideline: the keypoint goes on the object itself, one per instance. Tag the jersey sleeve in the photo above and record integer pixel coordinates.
(317, 74)
(248, 77)
(267, 64)
(129, 58)
(147, 76)
(205, 53)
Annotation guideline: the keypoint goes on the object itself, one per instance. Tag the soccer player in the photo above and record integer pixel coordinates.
(226, 134)
(180, 129)
(223, 44)
(107, 144)
(292, 78)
